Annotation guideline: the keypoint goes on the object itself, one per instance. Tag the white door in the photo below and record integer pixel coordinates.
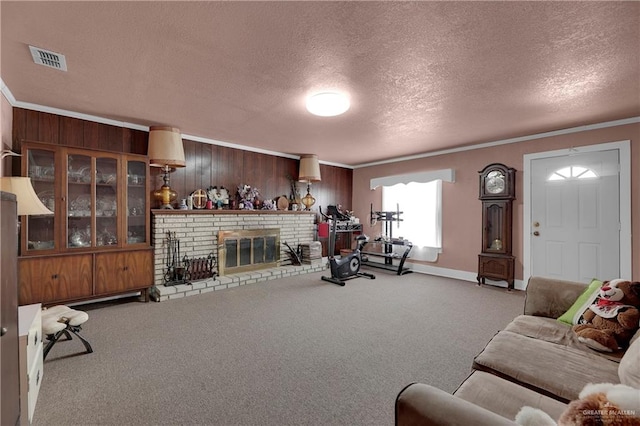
(575, 216)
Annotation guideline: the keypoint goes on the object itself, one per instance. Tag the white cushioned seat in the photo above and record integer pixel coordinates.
(51, 323)
(62, 320)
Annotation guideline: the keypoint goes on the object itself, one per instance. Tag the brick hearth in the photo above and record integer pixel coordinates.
(161, 293)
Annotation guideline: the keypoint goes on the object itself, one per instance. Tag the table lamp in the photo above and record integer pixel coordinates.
(26, 198)
(165, 151)
(28, 201)
(309, 172)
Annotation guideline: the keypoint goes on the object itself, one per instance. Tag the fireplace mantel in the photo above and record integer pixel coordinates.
(226, 211)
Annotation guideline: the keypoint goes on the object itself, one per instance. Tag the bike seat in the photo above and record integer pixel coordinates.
(333, 212)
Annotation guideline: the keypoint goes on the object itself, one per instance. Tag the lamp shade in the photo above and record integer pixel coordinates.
(28, 201)
(309, 168)
(165, 147)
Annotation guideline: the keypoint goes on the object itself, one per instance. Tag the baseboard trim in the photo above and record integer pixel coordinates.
(460, 275)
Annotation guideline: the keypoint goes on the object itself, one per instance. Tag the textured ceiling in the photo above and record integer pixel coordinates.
(422, 76)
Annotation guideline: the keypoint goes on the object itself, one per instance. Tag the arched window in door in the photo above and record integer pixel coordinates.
(572, 173)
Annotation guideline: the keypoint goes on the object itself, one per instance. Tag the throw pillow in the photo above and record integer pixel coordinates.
(572, 316)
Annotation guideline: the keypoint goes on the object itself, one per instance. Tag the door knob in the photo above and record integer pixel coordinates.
(536, 224)
(536, 233)
(3, 331)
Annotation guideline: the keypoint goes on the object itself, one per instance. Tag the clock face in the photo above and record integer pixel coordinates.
(494, 183)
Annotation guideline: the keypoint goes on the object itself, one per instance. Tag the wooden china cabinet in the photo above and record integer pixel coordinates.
(97, 242)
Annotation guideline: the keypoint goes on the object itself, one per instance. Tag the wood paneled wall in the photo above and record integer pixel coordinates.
(207, 164)
(56, 129)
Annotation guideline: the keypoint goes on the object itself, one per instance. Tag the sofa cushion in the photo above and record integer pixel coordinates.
(552, 331)
(549, 297)
(629, 370)
(555, 370)
(504, 397)
(547, 329)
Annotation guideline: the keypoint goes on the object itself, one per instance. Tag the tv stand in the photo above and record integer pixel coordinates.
(389, 255)
(388, 242)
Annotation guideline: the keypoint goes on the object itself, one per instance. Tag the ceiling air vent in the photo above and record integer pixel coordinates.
(48, 58)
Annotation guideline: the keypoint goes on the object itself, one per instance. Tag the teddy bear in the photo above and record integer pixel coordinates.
(601, 404)
(610, 322)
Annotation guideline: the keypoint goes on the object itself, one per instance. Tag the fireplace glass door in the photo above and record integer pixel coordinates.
(248, 250)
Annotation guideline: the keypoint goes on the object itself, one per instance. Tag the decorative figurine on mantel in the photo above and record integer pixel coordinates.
(269, 205)
(199, 199)
(247, 195)
(218, 196)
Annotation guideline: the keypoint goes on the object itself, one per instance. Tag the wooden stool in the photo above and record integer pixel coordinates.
(62, 320)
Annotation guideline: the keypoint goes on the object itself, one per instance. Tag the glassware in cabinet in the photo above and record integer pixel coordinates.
(100, 199)
(106, 201)
(40, 229)
(79, 206)
(136, 202)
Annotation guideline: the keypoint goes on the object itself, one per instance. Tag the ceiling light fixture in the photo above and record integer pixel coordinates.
(328, 104)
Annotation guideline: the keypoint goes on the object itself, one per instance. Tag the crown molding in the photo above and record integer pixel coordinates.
(97, 119)
(66, 113)
(7, 93)
(568, 131)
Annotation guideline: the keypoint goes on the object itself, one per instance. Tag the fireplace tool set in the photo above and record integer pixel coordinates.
(184, 270)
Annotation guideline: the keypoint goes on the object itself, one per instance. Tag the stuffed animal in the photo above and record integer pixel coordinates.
(602, 404)
(611, 321)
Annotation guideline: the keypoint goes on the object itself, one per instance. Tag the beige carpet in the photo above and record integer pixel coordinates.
(297, 351)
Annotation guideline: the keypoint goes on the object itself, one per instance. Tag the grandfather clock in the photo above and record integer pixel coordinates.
(497, 192)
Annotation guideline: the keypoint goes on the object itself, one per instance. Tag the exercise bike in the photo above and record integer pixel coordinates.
(347, 267)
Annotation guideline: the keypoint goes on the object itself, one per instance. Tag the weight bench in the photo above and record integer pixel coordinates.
(59, 321)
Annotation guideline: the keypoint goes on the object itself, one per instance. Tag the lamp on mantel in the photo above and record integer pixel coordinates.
(165, 151)
(309, 172)
(26, 198)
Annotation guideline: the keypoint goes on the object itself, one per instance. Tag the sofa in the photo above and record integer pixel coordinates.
(535, 361)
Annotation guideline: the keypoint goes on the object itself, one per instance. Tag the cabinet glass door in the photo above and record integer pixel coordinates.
(79, 201)
(136, 202)
(40, 230)
(106, 201)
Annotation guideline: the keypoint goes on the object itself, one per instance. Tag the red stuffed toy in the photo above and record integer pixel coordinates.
(611, 321)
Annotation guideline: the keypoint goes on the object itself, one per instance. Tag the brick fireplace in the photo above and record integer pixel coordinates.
(198, 232)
